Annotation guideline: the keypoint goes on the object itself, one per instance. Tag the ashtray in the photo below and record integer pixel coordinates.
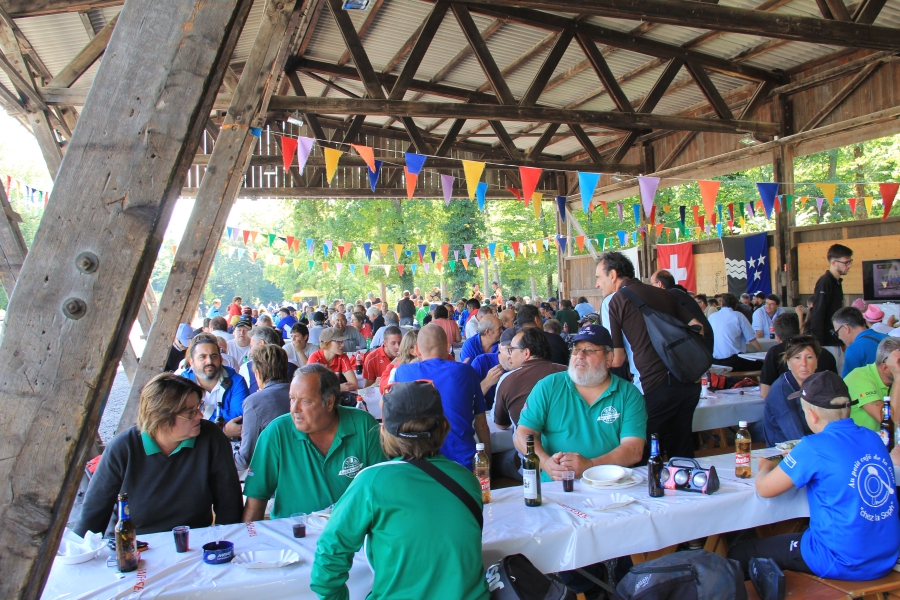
(218, 553)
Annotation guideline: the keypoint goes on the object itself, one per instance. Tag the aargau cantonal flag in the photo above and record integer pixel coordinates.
(678, 259)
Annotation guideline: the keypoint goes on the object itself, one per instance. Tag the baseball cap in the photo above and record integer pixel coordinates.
(595, 334)
(552, 299)
(545, 305)
(247, 310)
(318, 317)
(184, 335)
(406, 401)
(759, 295)
(820, 389)
(244, 322)
(331, 335)
(507, 336)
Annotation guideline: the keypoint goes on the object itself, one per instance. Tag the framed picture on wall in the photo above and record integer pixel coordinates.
(881, 280)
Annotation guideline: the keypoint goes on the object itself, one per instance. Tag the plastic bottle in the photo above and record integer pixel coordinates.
(368, 343)
(359, 365)
(566, 328)
(742, 465)
(482, 470)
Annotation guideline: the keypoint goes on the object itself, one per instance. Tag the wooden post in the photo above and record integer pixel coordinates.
(11, 243)
(783, 171)
(81, 284)
(218, 190)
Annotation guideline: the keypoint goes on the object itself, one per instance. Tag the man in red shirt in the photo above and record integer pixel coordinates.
(377, 361)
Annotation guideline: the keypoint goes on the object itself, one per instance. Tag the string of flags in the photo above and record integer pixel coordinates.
(29, 194)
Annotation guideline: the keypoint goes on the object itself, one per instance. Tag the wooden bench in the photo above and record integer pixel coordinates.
(801, 586)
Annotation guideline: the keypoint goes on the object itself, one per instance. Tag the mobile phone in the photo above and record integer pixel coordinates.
(775, 458)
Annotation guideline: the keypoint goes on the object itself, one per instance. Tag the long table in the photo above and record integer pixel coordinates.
(726, 407)
(559, 535)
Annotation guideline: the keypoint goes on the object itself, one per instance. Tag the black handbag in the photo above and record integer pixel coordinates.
(515, 578)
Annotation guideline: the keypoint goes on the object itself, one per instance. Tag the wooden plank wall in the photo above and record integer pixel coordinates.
(813, 261)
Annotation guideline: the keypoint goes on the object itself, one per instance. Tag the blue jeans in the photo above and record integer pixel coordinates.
(404, 321)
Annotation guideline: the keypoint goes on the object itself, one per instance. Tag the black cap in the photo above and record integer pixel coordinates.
(507, 336)
(552, 299)
(589, 318)
(759, 295)
(404, 402)
(244, 322)
(318, 317)
(545, 305)
(595, 334)
(820, 389)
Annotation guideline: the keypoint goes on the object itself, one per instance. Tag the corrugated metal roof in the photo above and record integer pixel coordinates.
(58, 38)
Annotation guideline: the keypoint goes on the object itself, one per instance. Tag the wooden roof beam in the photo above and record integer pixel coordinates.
(18, 9)
(615, 120)
(868, 11)
(86, 58)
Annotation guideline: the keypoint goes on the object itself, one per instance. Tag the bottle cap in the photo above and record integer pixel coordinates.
(742, 424)
(887, 399)
(479, 447)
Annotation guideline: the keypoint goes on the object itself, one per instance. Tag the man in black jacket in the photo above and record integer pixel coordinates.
(530, 316)
(663, 279)
(406, 308)
(828, 298)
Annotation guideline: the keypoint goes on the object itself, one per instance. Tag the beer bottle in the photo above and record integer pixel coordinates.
(742, 466)
(887, 425)
(126, 542)
(531, 474)
(220, 418)
(654, 469)
(482, 470)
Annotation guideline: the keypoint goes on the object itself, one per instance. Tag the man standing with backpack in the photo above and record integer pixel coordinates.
(670, 403)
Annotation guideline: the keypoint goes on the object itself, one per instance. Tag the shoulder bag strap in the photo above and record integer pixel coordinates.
(452, 487)
(640, 304)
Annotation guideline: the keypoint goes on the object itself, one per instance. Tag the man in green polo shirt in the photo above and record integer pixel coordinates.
(870, 384)
(584, 417)
(311, 455)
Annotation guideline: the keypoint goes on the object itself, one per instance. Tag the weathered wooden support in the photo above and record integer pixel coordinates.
(68, 322)
(86, 58)
(840, 96)
(12, 245)
(218, 190)
(785, 254)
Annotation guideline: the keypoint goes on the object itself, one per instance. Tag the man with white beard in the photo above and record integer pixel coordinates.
(585, 416)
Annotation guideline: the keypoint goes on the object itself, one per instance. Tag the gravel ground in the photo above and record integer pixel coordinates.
(115, 404)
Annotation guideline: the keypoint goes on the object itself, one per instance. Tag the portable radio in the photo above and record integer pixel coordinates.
(689, 478)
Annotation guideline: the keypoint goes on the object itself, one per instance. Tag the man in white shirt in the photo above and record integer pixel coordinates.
(472, 324)
(239, 347)
(732, 334)
(763, 317)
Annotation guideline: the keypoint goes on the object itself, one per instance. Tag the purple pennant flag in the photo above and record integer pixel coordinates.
(767, 192)
(637, 213)
(477, 261)
(819, 202)
(304, 147)
(456, 254)
(414, 162)
(587, 182)
(561, 204)
(373, 175)
(648, 187)
(447, 187)
(426, 268)
(467, 248)
(621, 212)
(328, 245)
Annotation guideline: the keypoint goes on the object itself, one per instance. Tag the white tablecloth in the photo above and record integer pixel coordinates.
(725, 408)
(163, 573)
(556, 539)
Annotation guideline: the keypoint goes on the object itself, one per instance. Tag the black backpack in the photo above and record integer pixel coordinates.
(688, 575)
(681, 349)
(515, 578)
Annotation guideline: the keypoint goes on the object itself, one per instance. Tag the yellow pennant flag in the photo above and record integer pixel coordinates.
(465, 263)
(324, 267)
(296, 264)
(667, 207)
(523, 249)
(868, 201)
(828, 190)
(743, 221)
(536, 201)
(280, 261)
(331, 160)
(383, 249)
(398, 248)
(473, 171)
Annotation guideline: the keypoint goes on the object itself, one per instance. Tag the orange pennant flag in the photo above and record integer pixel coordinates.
(280, 261)
(579, 239)
(367, 155)
(445, 250)
(410, 183)
(708, 192)
(347, 246)
(465, 263)
(324, 267)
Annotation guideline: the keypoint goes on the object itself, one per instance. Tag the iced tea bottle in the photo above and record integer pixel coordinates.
(742, 466)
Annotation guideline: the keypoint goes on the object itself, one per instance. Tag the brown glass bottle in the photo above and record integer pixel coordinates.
(887, 425)
(126, 540)
(220, 418)
(531, 474)
(654, 469)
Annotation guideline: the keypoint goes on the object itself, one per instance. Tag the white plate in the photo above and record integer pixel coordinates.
(605, 474)
(628, 482)
(627, 473)
(266, 559)
(616, 501)
(318, 520)
(77, 559)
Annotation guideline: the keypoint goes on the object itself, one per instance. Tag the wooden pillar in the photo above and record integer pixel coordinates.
(69, 320)
(786, 283)
(562, 187)
(11, 243)
(218, 190)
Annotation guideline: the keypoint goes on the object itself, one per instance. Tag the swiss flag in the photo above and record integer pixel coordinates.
(678, 259)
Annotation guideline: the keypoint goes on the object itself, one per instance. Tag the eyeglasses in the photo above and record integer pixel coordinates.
(846, 263)
(189, 415)
(509, 349)
(838, 330)
(588, 352)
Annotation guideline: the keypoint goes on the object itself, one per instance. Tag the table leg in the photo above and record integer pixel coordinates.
(716, 543)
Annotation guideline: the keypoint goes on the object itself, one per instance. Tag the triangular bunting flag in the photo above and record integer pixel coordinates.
(868, 202)
(373, 175)
(637, 214)
(515, 249)
(445, 250)
(648, 187)
(888, 193)
(536, 199)
(288, 148)
(561, 242)
(367, 250)
(561, 206)
(414, 162)
(410, 183)
(331, 162)
(304, 147)
(398, 252)
(587, 183)
(530, 177)
(767, 193)
(828, 190)
(367, 155)
(465, 263)
(296, 264)
(621, 208)
(473, 170)
(421, 252)
(271, 237)
(579, 239)
(400, 270)
(467, 248)
(480, 192)
(515, 192)
(365, 269)
(709, 190)
(447, 187)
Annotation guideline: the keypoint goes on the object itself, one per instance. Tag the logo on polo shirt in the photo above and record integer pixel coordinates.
(874, 484)
(351, 467)
(608, 415)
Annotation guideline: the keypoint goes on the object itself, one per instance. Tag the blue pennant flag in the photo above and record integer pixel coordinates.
(373, 175)
(230, 232)
(414, 265)
(587, 183)
(352, 269)
(747, 264)
(561, 240)
(637, 214)
(561, 204)
(621, 234)
(414, 162)
(367, 249)
(433, 255)
(309, 245)
(480, 191)
(767, 192)
(681, 214)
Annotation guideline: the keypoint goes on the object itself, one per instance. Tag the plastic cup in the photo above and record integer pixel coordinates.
(568, 481)
(298, 523)
(182, 538)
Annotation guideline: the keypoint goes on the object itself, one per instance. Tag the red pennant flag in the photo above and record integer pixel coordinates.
(888, 193)
(410, 183)
(852, 202)
(712, 219)
(579, 239)
(341, 250)
(254, 255)
(696, 210)
(605, 209)
(777, 203)
(246, 236)
(653, 215)
(478, 252)
(400, 270)
(659, 227)
(731, 211)
(700, 222)
(288, 149)
(530, 177)
(366, 269)
(514, 192)
(290, 241)
(515, 247)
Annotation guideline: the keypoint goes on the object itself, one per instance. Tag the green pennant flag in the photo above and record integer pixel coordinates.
(271, 237)
(789, 200)
(452, 266)
(311, 263)
(743, 214)
(601, 240)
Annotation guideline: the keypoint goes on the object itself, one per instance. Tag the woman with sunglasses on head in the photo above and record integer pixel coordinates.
(783, 418)
(175, 466)
(331, 354)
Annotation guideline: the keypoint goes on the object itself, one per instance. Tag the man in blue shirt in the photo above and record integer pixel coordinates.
(483, 342)
(850, 486)
(583, 308)
(764, 316)
(491, 366)
(460, 390)
(285, 321)
(224, 389)
(860, 341)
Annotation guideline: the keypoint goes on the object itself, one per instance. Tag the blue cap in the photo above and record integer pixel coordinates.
(185, 332)
(595, 334)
